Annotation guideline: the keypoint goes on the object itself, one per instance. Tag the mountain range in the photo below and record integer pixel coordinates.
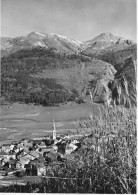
(62, 43)
(67, 65)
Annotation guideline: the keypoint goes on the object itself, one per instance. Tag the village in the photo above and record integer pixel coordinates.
(33, 157)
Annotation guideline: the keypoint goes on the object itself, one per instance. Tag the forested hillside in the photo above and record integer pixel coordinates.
(37, 68)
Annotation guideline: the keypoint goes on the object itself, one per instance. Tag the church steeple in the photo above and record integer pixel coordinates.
(54, 130)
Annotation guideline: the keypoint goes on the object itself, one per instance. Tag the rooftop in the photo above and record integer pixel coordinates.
(3, 153)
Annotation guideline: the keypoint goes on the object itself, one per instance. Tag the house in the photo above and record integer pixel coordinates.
(13, 156)
(34, 162)
(37, 142)
(61, 146)
(37, 167)
(42, 145)
(16, 150)
(3, 154)
(28, 145)
(34, 154)
(21, 164)
(48, 150)
(4, 161)
(6, 148)
(12, 163)
(49, 142)
(75, 142)
(26, 158)
(24, 142)
(11, 147)
(41, 170)
(51, 157)
(55, 148)
(6, 167)
(21, 154)
(28, 155)
(19, 148)
(42, 150)
(33, 167)
(57, 140)
(67, 136)
(41, 159)
(20, 144)
(70, 148)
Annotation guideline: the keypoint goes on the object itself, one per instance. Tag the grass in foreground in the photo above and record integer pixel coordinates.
(106, 162)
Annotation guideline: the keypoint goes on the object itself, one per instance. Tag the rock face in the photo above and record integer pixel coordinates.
(121, 87)
(123, 58)
(100, 91)
(127, 72)
(99, 87)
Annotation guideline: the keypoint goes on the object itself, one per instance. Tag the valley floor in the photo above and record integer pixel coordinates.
(22, 121)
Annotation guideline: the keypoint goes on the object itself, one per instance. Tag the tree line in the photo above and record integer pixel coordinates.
(19, 83)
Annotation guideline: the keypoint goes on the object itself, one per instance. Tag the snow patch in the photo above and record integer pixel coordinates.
(40, 34)
(63, 37)
(35, 33)
(76, 42)
(40, 44)
(67, 39)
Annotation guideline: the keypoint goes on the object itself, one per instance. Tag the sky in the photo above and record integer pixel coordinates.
(77, 19)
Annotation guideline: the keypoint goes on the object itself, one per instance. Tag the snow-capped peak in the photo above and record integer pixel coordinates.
(35, 33)
(39, 34)
(67, 39)
(60, 36)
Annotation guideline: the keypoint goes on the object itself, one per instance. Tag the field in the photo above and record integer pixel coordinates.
(28, 121)
(10, 180)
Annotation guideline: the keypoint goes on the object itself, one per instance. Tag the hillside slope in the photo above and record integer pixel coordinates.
(50, 68)
(43, 76)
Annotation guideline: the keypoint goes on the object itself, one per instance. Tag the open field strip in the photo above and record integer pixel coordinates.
(8, 183)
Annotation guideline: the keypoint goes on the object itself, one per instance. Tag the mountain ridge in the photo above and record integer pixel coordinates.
(60, 43)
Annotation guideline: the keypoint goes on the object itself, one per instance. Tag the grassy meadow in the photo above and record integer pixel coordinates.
(22, 121)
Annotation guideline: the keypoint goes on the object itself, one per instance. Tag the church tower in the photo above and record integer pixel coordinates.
(54, 130)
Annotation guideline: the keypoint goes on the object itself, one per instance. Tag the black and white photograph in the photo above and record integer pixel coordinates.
(68, 96)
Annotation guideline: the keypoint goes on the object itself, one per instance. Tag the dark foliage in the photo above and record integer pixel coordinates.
(19, 81)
